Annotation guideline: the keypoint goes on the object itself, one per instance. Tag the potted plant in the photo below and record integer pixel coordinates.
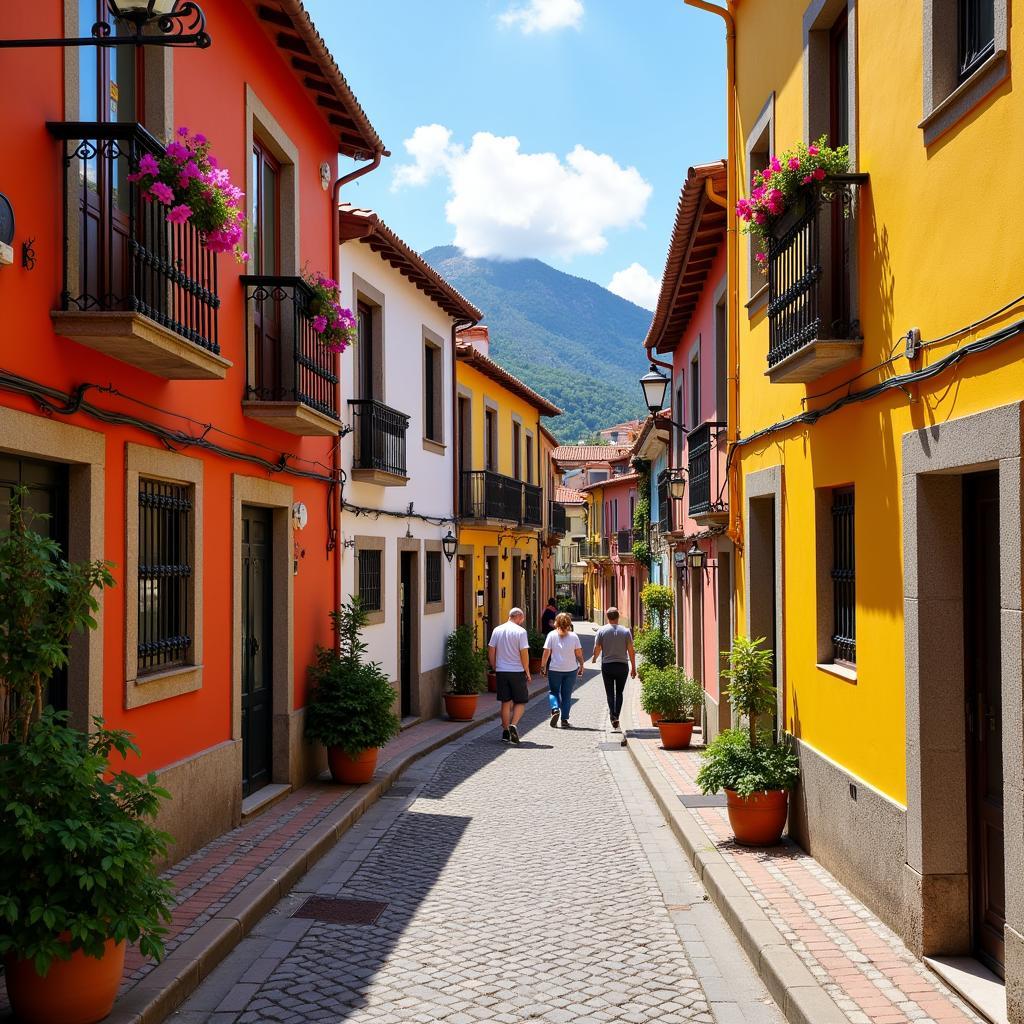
(672, 695)
(467, 674)
(755, 771)
(333, 324)
(350, 709)
(76, 870)
(536, 642)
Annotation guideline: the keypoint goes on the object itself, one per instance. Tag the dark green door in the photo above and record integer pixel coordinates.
(47, 485)
(257, 652)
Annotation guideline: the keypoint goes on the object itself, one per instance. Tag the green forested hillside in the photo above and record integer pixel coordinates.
(570, 339)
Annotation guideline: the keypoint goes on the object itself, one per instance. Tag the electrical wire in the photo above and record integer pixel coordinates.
(376, 513)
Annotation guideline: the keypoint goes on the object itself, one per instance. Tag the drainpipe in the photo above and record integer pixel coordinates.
(456, 440)
(336, 274)
(732, 255)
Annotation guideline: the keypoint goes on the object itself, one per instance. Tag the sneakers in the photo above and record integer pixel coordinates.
(615, 723)
(513, 734)
(554, 718)
(505, 736)
(565, 724)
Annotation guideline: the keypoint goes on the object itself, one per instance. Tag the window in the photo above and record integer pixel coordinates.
(677, 415)
(370, 579)
(491, 440)
(760, 145)
(695, 389)
(529, 459)
(721, 358)
(364, 348)
(264, 213)
(517, 454)
(164, 635)
(433, 392)
(976, 35)
(435, 588)
(839, 82)
(844, 630)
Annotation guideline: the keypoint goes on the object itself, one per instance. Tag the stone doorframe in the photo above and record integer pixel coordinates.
(759, 487)
(287, 764)
(934, 461)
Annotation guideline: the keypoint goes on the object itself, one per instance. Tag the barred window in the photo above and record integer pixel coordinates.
(844, 591)
(369, 579)
(165, 575)
(435, 591)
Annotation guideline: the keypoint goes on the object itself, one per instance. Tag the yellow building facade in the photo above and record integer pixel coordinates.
(876, 489)
(503, 507)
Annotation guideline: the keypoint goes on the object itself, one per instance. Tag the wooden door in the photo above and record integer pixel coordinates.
(406, 604)
(257, 647)
(983, 678)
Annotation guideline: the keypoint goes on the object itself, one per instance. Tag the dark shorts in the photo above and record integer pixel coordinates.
(512, 687)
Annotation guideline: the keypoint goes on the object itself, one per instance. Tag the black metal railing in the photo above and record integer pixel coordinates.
(533, 505)
(703, 469)
(379, 441)
(599, 548)
(664, 504)
(624, 542)
(809, 269)
(120, 253)
(487, 495)
(557, 519)
(285, 359)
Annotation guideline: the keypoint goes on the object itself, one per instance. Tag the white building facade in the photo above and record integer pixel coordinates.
(399, 458)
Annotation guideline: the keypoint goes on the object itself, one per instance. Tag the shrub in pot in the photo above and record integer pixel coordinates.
(350, 709)
(657, 601)
(76, 870)
(536, 642)
(655, 648)
(755, 771)
(466, 666)
(673, 696)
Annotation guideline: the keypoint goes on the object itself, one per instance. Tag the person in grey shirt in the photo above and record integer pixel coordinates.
(618, 661)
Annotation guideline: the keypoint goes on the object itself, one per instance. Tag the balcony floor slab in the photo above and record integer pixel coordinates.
(378, 477)
(294, 417)
(813, 360)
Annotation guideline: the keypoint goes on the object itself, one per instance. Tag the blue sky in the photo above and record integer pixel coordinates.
(623, 94)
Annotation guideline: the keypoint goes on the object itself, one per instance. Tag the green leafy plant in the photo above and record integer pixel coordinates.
(564, 603)
(671, 693)
(751, 689)
(76, 850)
(657, 600)
(730, 761)
(465, 664)
(642, 513)
(536, 642)
(350, 706)
(656, 648)
(46, 600)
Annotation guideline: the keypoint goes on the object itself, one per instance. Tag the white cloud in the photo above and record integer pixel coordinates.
(509, 204)
(544, 15)
(637, 285)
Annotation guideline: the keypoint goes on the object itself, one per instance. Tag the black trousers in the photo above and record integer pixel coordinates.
(615, 676)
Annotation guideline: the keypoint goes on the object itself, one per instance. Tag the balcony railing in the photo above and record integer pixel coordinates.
(488, 495)
(599, 548)
(379, 443)
(624, 543)
(557, 519)
(533, 504)
(120, 254)
(704, 469)
(664, 504)
(285, 359)
(812, 307)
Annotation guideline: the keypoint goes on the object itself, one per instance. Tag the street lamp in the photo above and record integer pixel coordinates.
(695, 557)
(448, 545)
(677, 483)
(176, 23)
(654, 384)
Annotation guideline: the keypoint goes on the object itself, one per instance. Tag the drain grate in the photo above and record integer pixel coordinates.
(699, 800)
(330, 910)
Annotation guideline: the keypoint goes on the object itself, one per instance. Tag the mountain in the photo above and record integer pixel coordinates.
(571, 340)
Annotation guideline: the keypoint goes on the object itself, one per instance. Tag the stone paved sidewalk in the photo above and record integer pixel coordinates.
(863, 965)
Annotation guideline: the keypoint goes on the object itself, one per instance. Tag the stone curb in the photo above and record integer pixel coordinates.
(173, 980)
(799, 995)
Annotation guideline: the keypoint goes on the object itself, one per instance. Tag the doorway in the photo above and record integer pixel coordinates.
(257, 647)
(984, 716)
(762, 583)
(491, 589)
(406, 606)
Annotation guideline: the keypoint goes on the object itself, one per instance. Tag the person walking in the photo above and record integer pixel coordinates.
(618, 661)
(508, 653)
(562, 663)
(547, 620)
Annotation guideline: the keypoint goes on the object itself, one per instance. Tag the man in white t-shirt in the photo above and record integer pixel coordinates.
(509, 655)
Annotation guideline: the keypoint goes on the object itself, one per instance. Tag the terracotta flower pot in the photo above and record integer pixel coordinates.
(675, 735)
(460, 707)
(655, 717)
(492, 682)
(535, 664)
(352, 771)
(81, 990)
(758, 819)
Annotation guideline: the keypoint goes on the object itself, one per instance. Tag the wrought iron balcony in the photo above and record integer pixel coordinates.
(133, 286)
(486, 495)
(378, 451)
(812, 300)
(594, 550)
(624, 543)
(533, 505)
(557, 519)
(705, 470)
(290, 378)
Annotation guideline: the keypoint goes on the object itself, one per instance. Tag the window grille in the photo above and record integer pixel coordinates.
(844, 591)
(976, 35)
(434, 586)
(165, 575)
(369, 580)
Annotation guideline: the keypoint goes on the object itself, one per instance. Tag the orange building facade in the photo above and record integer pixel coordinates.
(169, 408)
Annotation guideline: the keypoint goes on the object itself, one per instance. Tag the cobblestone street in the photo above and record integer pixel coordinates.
(530, 883)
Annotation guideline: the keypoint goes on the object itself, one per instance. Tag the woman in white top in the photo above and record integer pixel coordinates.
(562, 663)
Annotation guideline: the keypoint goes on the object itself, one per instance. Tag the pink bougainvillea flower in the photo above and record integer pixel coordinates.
(813, 150)
(199, 138)
(245, 257)
(760, 257)
(179, 214)
(794, 163)
(320, 324)
(183, 132)
(744, 209)
(177, 152)
(161, 192)
(807, 180)
(758, 194)
(759, 217)
(775, 165)
(819, 174)
(148, 164)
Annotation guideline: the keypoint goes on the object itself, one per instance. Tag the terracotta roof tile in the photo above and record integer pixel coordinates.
(487, 366)
(590, 453)
(569, 495)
